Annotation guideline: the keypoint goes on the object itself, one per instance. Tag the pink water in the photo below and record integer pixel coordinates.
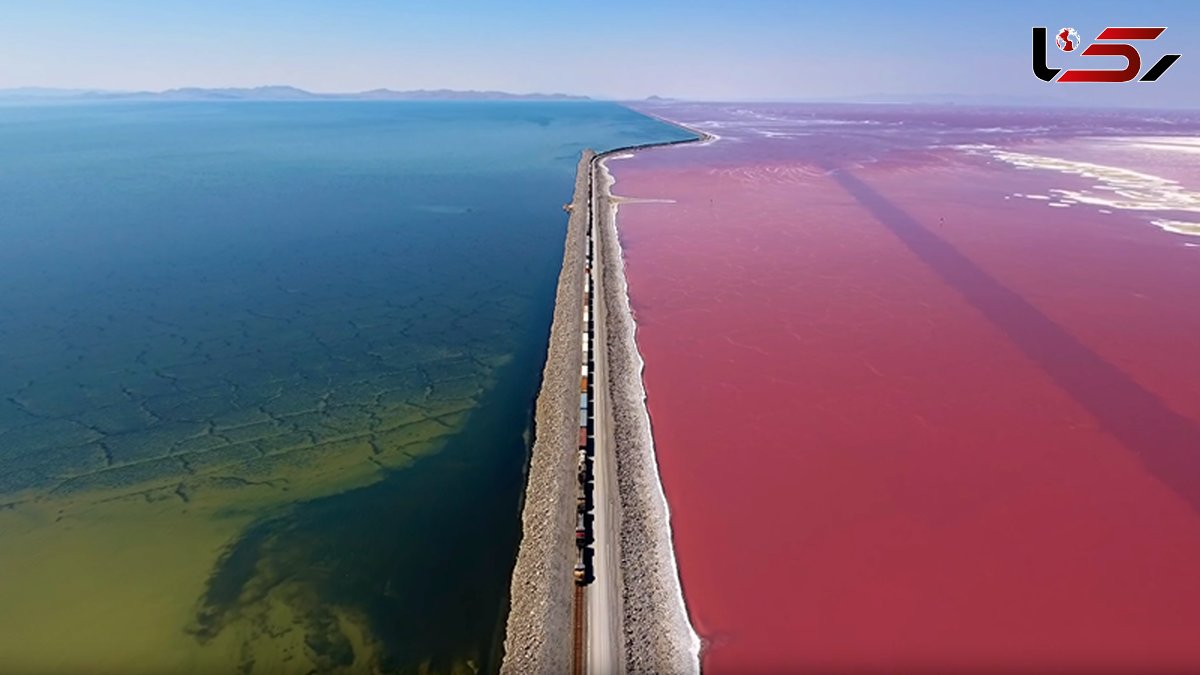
(907, 421)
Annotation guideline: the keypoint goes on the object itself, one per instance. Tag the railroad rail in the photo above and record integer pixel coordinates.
(579, 635)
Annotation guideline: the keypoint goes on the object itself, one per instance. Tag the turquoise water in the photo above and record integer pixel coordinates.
(272, 365)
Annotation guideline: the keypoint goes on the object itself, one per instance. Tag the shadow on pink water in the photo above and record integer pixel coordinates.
(908, 423)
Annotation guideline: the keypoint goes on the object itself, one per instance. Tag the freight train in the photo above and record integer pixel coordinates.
(584, 535)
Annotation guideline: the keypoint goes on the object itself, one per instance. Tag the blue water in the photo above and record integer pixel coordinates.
(324, 321)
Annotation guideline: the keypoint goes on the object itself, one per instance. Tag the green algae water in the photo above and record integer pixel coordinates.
(266, 377)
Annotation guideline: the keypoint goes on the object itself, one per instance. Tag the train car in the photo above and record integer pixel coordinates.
(580, 567)
(583, 418)
(583, 438)
(583, 534)
(584, 466)
(583, 401)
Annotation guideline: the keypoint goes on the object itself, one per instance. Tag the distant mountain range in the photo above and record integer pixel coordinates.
(276, 93)
(286, 93)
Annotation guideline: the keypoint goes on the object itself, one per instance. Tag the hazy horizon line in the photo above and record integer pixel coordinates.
(879, 98)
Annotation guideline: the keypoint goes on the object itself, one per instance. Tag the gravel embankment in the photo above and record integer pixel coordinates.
(658, 637)
(538, 637)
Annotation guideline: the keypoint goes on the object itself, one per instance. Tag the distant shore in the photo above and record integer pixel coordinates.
(272, 93)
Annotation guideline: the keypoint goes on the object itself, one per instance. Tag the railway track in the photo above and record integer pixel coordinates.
(579, 651)
(596, 630)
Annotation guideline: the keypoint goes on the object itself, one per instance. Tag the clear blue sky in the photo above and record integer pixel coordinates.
(753, 49)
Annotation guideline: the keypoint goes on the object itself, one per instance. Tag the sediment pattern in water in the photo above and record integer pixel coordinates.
(267, 376)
